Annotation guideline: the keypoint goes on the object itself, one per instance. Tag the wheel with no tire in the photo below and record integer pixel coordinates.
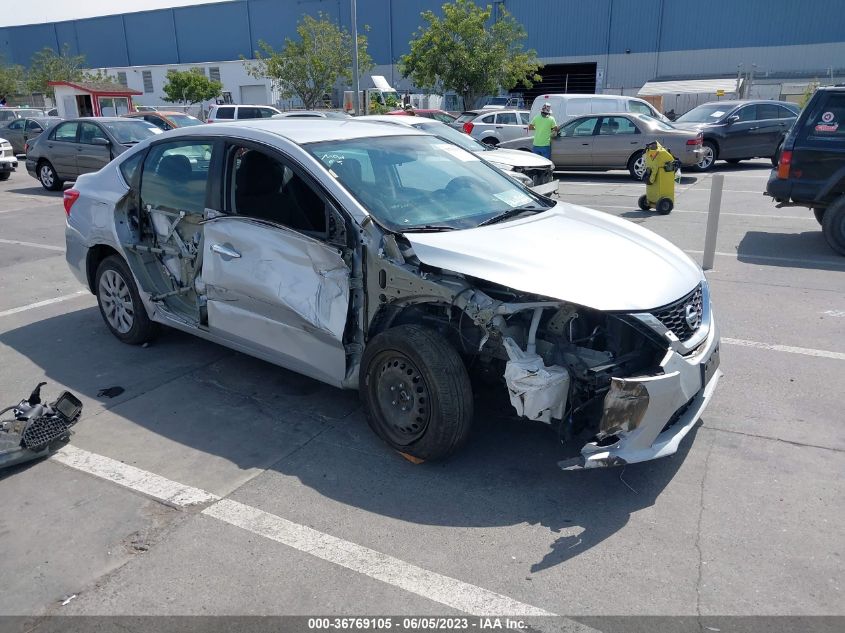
(708, 157)
(48, 177)
(4, 175)
(819, 213)
(664, 206)
(833, 225)
(120, 304)
(416, 392)
(643, 203)
(490, 141)
(636, 165)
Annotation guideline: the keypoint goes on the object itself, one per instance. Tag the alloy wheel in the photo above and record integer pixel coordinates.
(117, 301)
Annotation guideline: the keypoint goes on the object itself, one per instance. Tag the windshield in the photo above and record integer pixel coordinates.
(660, 125)
(498, 101)
(452, 135)
(420, 182)
(184, 120)
(707, 113)
(130, 132)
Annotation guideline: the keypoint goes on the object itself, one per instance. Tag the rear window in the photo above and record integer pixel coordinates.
(826, 120)
(466, 116)
(224, 113)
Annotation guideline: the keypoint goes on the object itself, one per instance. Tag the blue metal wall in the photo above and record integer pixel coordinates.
(556, 28)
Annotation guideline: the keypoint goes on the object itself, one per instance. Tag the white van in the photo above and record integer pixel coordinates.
(568, 106)
(236, 111)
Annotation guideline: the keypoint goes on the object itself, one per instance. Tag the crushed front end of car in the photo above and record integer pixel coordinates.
(621, 386)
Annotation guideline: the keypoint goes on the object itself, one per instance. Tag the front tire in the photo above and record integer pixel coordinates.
(833, 225)
(416, 392)
(48, 177)
(636, 165)
(4, 175)
(708, 158)
(120, 304)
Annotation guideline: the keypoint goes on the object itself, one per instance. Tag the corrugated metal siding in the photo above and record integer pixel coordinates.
(556, 28)
(212, 32)
(565, 27)
(103, 41)
(146, 50)
(693, 24)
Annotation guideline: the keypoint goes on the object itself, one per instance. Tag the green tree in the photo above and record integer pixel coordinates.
(47, 65)
(11, 79)
(464, 51)
(808, 94)
(309, 67)
(190, 87)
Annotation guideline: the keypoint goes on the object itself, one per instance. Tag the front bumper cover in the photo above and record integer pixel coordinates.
(659, 410)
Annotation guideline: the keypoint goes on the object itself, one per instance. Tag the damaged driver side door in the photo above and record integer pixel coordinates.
(274, 285)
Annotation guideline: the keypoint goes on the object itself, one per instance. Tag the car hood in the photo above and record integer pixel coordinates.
(569, 253)
(515, 158)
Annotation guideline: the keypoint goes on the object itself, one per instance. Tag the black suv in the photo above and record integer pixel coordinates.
(811, 172)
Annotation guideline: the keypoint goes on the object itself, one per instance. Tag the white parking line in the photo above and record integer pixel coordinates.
(60, 249)
(40, 304)
(633, 207)
(128, 476)
(806, 351)
(363, 560)
(829, 263)
(443, 589)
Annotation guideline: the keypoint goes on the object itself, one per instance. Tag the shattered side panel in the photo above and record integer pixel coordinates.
(285, 294)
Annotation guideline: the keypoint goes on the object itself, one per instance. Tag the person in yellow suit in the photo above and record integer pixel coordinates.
(543, 125)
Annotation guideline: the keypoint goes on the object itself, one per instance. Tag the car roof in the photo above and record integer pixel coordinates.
(242, 105)
(740, 102)
(409, 121)
(315, 131)
(147, 113)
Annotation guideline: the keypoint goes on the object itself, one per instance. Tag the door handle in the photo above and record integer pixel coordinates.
(225, 251)
(754, 128)
(498, 127)
(585, 144)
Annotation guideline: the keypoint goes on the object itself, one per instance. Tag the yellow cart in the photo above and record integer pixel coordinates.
(659, 178)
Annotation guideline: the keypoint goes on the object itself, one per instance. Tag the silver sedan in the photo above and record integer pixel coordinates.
(600, 142)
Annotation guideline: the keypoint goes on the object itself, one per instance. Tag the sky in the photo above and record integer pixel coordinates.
(19, 12)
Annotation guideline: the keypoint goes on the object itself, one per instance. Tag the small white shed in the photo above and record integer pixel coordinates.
(86, 98)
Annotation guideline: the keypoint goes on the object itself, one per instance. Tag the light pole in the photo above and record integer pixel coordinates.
(356, 84)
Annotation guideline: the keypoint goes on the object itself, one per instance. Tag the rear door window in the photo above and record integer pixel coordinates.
(767, 111)
(33, 126)
(175, 176)
(487, 119)
(249, 113)
(16, 125)
(786, 113)
(224, 113)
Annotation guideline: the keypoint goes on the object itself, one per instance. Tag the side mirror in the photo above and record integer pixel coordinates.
(99, 140)
(732, 119)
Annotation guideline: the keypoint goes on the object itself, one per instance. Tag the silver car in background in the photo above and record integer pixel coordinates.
(600, 142)
(382, 259)
(22, 131)
(531, 170)
(80, 146)
(493, 126)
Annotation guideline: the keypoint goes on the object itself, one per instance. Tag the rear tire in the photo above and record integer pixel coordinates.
(819, 213)
(416, 392)
(4, 175)
(636, 165)
(48, 177)
(709, 158)
(120, 304)
(643, 204)
(665, 206)
(833, 225)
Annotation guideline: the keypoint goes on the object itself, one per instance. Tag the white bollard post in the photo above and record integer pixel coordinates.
(717, 183)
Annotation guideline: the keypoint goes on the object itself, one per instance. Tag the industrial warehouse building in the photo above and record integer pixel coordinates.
(611, 46)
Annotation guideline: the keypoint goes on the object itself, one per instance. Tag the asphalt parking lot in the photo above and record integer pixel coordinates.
(215, 483)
